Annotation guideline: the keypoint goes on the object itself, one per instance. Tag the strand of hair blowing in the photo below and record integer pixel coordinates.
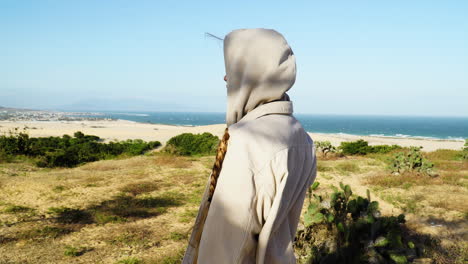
(218, 164)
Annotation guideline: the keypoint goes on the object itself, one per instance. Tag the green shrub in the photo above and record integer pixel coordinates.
(465, 150)
(14, 144)
(67, 151)
(411, 161)
(361, 147)
(343, 229)
(5, 157)
(383, 149)
(189, 144)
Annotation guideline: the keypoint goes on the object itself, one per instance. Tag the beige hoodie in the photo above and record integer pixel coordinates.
(269, 164)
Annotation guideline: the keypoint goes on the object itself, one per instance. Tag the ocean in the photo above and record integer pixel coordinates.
(454, 128)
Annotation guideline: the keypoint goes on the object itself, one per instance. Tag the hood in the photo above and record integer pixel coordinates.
(260, 68)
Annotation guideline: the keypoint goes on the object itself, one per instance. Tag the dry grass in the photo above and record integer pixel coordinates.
(323, 167)
(406, 180)
(141, 187)
(420, 197)
(341, 166)
(443, 154)
(435, 206)
(347, 167)
(330, 156)
(445, 196)
(141, 207)
(178, 162)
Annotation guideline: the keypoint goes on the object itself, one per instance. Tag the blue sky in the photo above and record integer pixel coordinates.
(353, 57)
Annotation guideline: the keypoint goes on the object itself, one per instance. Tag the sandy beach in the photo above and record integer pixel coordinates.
(123, 129)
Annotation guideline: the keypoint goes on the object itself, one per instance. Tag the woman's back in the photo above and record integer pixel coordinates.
(257, 187)
(269, 164)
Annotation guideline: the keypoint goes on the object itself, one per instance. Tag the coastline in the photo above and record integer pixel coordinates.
(120, 129)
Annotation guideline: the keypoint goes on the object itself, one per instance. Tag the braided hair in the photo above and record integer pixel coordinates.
(220, 154)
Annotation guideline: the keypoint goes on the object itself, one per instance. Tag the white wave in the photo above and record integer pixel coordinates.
(417, 137)
(402, 135)
(396, 136)
(456, 138)
(131, 114)
(344, 134)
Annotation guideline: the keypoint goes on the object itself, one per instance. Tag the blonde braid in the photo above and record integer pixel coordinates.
(222, 148)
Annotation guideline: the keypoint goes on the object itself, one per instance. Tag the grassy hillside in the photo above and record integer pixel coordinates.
(141, 209)
(107, 211)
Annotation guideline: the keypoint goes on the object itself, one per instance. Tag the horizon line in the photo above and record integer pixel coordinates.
(218, 112)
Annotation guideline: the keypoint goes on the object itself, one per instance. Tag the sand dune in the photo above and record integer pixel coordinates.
(123, 129)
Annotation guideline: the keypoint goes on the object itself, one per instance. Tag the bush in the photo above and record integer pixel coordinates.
(465, 150)
(325, 147)
(67, 151)
(5, 157)
(383, 149)
(343, 229)
(189, 144)
(411, 161)
(15, 144)
(361, 147)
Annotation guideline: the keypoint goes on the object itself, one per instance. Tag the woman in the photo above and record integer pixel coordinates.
(267, 159)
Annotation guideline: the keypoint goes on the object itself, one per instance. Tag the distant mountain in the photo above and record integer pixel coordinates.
(2, 108)
(119, 104)
(101, 104)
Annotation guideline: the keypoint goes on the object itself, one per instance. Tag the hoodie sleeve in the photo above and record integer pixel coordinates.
(279, 202)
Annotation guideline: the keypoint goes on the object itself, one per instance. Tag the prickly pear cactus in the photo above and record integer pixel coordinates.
(411, 161)
(350, 229)
(325, 147)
